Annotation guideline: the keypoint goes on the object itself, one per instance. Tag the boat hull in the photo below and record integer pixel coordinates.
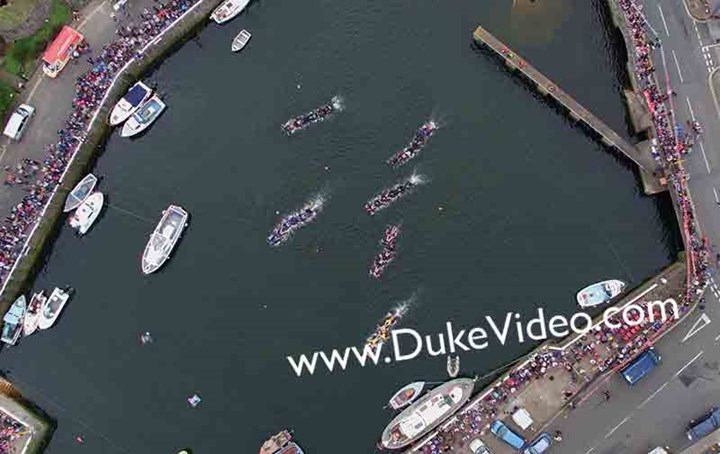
(138, 122)
(80, 192)
(13, 321)
(30, 324)
(164, 238)
(406, 395)
(599, 293)
(228, 11)
(240, 41)
(52, 308)
(87, 212)
(130, 103)
(414, 422)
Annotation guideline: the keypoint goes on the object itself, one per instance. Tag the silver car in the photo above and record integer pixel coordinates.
(478, 447)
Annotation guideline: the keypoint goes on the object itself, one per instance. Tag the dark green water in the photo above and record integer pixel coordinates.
(533, 210)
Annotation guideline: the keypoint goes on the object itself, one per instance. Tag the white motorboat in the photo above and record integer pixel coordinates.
(406, 395)
(228, 10)
(144, 117)
(130, 103)
(13, 321)
(163, 239)
(52, 308)
(30, 324)
(87, 212)
(599, 293)
(80, 192)
(453, 366)
(241, 40)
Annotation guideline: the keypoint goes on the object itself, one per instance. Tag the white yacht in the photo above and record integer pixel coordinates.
(163, 239)
(228, 10)
(30, 324)
(131, 102)
(50, 311)
(13, 321)
(87, 212)
(80, 192)
(241, 40)
(144, 117)
(599, 293)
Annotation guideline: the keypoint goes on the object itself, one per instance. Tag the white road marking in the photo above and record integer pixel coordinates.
(92, 13)
(590, 450)
(716, 195)
(677, 65)
(707, 164)
(688, 364)
(662, 16)
(695, 329)
(34, 89)
(717, 337)
(709, 46)
(616, 427)
(652, 395)
(692, 114)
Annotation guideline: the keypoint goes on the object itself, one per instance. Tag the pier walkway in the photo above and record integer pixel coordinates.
(644, 161)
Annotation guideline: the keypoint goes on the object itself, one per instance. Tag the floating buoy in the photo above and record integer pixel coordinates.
(80, 439)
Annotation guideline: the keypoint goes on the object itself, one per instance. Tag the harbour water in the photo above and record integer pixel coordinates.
(522, 209)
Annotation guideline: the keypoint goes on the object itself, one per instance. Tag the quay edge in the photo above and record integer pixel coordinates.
(41, 242)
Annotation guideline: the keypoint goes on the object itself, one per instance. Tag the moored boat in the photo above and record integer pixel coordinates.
(426, 413)
(453, 366)
(80, 192)
(148, 112)
(13, 321)
(163, 239)
(240, 40)
(32, 314)
(281, 443)
(131, 102)
(52, 308)
(599, 293)
(406, 395)
(87, 213)
(228, 10)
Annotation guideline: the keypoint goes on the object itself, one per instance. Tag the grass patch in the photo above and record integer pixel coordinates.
(23, 53)
(16, 13)
(6, 97)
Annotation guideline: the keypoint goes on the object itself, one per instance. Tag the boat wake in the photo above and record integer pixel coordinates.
(295, 221)
(419, 140)
(388, 196)
(382, 332)
(295, 124)
(388, 253)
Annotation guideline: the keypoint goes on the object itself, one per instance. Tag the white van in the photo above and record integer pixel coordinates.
(19, 121)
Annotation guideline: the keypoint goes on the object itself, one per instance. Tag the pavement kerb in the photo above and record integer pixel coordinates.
(694, 17)
(712, 90)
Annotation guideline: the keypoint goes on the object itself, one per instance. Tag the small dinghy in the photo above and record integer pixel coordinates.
(80, 192)
(87, 213)
(144, 117)
(13, 321)
(241, 40)
(600, 293)
(52, 308)
(453, 366)
(30, 324)
(406, 395)
(133, 99)
(228, 10)
(194, 400)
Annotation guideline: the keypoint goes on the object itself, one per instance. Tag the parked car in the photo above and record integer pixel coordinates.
(705, 425)
(539, 445)
(641, 366)
(503, 432)
(18, 121)
(478, 447)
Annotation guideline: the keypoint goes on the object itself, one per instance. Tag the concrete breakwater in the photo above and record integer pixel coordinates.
(41, 236)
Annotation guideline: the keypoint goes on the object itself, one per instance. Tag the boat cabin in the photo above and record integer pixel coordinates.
(61, 50)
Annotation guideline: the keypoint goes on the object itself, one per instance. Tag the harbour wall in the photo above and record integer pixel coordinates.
(42, 235)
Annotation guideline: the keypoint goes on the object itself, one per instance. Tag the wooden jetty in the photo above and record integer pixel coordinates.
(649, 171)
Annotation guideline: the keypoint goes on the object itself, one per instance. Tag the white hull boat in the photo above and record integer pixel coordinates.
(13, 321)
(52, 308)
(406, 395)
(87, 212)
(163, 239)
(130, 103)
(30, 324)
(80, 192)
(228, 10)
(453, 366)
(240, 41)
(144, 117)
(600, 293)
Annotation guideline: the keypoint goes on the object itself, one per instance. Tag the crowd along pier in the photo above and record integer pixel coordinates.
(652, 178)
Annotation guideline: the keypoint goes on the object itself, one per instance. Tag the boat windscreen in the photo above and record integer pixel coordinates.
(136, 95)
